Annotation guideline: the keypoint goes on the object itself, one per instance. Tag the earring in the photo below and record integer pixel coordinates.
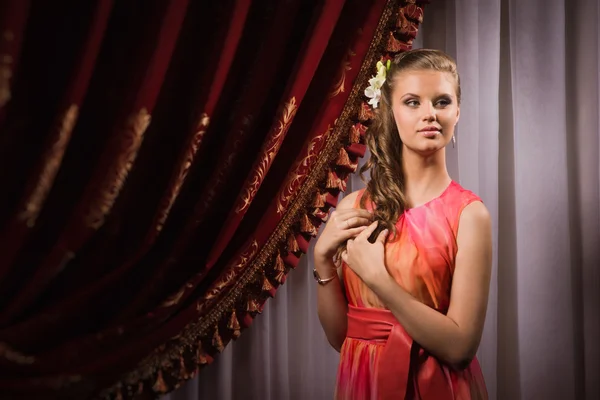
(453, 141)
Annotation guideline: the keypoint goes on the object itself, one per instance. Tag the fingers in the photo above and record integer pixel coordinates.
(365, 234)
(351, 213)
(354, 222)
(352, 233)
(358, 212)
(345, 256)
(382, 236)
(348, 219)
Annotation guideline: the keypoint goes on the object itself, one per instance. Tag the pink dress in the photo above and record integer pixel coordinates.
(378, 359)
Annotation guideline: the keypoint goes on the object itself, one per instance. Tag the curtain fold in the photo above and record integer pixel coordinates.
(528, 143)
(164, 165)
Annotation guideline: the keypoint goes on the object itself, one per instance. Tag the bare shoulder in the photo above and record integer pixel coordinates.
(474, 235)
(476, 215)
(349, 200)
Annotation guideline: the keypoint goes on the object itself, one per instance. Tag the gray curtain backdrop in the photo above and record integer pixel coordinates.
(528, 143)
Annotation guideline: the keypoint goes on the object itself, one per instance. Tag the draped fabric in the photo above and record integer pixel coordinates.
(163, 165)
(528, 143)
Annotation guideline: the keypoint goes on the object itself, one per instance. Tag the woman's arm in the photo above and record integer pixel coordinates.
(454, 337)
(332, 306)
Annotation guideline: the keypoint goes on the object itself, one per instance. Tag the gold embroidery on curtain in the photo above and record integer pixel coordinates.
(339, 86)
(230, 274)
(269, 151)
(306, 191)
(5, 72)
(183, 171)
(132, 139)
(300, 171)
(248, 286)
(174, 299)
(221, 173)
(14, 356)
(52, 161)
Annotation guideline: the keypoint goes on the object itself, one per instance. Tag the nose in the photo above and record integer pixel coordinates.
(429, 112)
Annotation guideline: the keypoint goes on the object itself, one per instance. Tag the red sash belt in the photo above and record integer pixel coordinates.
(405, 370)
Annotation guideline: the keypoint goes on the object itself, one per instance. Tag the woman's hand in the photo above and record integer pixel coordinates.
(367, 259)
(343, 224)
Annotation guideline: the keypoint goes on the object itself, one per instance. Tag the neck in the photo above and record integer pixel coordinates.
(425, 177)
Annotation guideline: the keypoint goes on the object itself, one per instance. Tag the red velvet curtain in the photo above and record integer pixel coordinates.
(163, 165)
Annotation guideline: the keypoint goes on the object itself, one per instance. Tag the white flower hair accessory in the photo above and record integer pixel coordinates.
(373, 91)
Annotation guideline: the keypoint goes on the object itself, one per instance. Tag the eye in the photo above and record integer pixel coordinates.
(412, 103)
(444, 102)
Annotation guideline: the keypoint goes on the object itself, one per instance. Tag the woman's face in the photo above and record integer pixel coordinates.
(425, 108)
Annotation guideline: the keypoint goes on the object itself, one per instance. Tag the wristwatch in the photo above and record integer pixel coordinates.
(319, 280)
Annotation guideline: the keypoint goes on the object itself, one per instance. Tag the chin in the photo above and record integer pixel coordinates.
(426, 147)
(431, 148)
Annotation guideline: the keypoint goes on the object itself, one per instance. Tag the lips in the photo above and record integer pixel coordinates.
(430, 134)
(430, 131)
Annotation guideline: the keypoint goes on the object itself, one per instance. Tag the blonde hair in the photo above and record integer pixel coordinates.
(385, 189)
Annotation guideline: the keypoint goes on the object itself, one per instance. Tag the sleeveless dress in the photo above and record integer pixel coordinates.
(378, 359)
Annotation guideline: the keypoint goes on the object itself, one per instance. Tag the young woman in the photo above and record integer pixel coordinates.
(405, 299)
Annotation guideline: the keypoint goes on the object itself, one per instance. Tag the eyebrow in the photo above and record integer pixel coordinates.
(417, 96)
(410, 95)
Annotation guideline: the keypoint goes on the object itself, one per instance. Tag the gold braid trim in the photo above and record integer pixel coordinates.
(200, 340)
